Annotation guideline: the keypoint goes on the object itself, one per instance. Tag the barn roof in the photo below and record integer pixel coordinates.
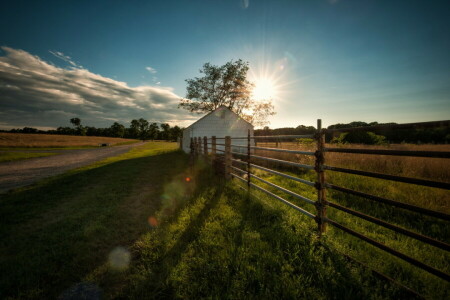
(222, 106)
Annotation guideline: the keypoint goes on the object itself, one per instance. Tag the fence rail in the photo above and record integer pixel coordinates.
(247, 160)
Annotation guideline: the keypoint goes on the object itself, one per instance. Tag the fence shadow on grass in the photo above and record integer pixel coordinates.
(158, 284)
(326, 269)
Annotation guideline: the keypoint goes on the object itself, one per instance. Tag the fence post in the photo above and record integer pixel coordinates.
(248, 160)
(191, 146)
(197, 148)
(205, 146)
(321, 195)
(213, 147)
(199, 145)
(227, 157)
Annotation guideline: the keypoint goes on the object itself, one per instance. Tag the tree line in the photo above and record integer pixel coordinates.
(138, 129)
(439, 135)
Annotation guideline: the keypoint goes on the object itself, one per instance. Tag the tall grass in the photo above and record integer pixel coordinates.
(431, 198)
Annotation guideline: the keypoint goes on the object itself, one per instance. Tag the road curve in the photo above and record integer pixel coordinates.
(24, 172)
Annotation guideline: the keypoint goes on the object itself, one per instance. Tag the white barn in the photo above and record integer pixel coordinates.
(220, 123)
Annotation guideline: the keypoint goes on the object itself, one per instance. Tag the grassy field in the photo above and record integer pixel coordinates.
(13, 156)
(54, 233)
(146, 225)
(431, 198)
(24, 140)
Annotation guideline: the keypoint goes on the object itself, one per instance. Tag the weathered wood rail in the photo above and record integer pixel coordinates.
(208, 147)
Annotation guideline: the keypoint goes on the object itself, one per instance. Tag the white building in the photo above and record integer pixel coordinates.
(219, 123)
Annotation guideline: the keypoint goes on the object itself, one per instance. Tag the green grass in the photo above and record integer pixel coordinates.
(13, 156)
(54, 233)
(191, 235)
(421, 281)
(221, 244)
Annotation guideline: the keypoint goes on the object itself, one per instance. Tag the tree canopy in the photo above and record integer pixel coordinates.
(226, 85)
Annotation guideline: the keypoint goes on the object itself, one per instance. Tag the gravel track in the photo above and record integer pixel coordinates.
(24, 172)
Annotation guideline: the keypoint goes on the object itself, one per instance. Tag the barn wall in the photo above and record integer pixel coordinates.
(222, 122)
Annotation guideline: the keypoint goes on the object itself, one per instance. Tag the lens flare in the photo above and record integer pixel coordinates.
(153, 222)
(119, 258)
(188, 179)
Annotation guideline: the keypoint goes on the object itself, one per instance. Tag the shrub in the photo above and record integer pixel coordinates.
(360, 137)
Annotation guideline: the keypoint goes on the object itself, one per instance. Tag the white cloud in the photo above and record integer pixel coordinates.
(151, 70)
(38, 94)
(65, 58)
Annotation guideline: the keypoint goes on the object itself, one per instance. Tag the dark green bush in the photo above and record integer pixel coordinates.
(360, 137)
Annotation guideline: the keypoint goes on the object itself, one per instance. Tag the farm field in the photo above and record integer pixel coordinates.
(24, 140)
(147, 225)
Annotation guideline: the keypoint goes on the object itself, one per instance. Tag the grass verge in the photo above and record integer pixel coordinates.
(13, 156)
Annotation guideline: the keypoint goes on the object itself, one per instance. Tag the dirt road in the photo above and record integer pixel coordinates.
(24, 172)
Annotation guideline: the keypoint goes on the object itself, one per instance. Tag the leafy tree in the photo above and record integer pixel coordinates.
(153, 131)
(76, 122)
(134, 129)
(117, 130)
(175, 133)
(226, 85)
(143, 128)
(165, 131)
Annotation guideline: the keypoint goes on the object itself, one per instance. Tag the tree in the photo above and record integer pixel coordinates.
(143, 128)
(153, 131)
(226, 85)
(134, 129)
(175, 133)
(117, 130)
(165, 131)
(76, 122)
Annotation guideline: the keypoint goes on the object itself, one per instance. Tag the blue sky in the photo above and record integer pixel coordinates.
(340, 60)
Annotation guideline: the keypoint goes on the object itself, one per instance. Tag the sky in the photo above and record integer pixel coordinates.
(108, 61)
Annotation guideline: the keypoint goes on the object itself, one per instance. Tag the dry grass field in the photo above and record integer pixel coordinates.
(418, 167)
(23, 140)
(437, 169)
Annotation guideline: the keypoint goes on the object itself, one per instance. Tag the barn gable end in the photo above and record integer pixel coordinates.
(220, 123)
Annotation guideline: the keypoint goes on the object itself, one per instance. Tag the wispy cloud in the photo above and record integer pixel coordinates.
(151, 70)
(65, 58)
(36, 93)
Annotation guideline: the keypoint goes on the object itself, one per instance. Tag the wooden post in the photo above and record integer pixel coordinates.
(205, 146)
(199, 145)
(320, 184)
(196, 148)
(248, 160)
(191, 145)
(213, 147)
(227, 157)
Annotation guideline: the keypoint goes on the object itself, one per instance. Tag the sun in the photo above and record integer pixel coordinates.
(264, 89)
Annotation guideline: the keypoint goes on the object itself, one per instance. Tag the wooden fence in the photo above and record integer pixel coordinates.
(208, 146)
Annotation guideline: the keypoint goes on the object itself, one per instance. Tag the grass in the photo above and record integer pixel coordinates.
(146, 225)
(24, 140)
(54, 232)
(431, 198)
(14, 156)
(221, 244)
